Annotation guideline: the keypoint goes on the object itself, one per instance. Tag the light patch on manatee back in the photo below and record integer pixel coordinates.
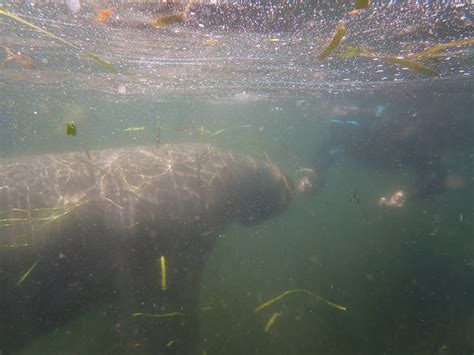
(74, 199)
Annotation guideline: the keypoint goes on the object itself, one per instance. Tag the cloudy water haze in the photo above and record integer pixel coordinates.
(344, 228)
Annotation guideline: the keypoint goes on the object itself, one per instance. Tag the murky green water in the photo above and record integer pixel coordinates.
(406, 275)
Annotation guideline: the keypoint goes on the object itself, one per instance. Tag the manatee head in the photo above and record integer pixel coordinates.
(265, 191)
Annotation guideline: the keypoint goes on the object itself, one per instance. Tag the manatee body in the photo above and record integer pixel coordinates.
(99, 224)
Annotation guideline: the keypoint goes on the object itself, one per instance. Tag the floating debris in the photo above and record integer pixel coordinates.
(355, 197)
(426, 53)
(286, 293)
(272, 320)
(218, 132)
(351, 52)
(168, 20)
(40, 218)
(163, 315)
(7, 222)
(16, 245)
(203, 131)
(361, 4)
(226, 129)
(107, 65)
(170, 343)
(99, 60)
(134, 129)
(433, 233)
(73, 5)
(211, 42)
(173, 18)
(103, 15)
(122, 89)
(410, 64)
(18, 210)
(126, 348)
(158, 133)
(334, 43)
(163, 273)
(274, 40)
(71, 129)
(18, 57)
(26, 274)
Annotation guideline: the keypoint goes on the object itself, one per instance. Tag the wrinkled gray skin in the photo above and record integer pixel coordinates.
(118, 212)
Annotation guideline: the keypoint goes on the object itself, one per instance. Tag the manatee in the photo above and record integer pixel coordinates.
(98, 224)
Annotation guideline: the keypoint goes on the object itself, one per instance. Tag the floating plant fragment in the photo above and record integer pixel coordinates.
(211, 41)
(107, 65)
(170, 343)
(33, 215)
(134, 129)
(103, 15)
(163, 273)
(18, 57)
(286, 293)
(426, 53)
(351, 52)
(16, 245)
(26, 274)
(168, 20)
(102, 62)
(410, 64)
(163, 315)
(226, 129)
(360, 4)
(334, 43)
(71, 129)
(272, 320)
(173, 18)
